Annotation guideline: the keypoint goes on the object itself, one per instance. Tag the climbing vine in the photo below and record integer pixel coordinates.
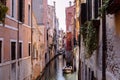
(89, 35)
(103, 7)
(3, 11)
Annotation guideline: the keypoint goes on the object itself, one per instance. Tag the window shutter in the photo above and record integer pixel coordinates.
(89, 9)
(83, 13)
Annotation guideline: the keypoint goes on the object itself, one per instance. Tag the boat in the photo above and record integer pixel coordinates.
(67, 70)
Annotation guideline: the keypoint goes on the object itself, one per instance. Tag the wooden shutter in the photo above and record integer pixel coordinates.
(89, 9)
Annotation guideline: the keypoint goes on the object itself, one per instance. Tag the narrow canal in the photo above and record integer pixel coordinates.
(60, 75)
(54, 71)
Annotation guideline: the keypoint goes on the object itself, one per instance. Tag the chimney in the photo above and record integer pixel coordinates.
(54, 3)
(69, 3)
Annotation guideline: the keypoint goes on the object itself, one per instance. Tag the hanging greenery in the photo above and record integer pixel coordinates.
(89, 35)
(103, 7)
(3, 11)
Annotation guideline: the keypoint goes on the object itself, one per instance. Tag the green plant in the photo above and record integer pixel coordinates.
(3, 11)
(103, 7)
(89, 35)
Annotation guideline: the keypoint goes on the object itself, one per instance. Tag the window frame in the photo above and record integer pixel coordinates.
(2, 50)
(21, 7)
(29, 54)
(19, 50)
(29, 15)
(15, 51)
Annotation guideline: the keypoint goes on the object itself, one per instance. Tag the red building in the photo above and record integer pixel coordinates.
(70, 14)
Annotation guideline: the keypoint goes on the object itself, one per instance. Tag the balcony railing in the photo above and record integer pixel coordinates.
(113, 6)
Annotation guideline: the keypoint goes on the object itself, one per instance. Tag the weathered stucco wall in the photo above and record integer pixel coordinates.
(113, 45)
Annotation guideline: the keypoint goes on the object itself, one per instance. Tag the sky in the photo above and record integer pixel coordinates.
(60, 11)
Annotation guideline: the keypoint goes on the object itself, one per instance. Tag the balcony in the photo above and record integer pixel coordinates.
(113, 6)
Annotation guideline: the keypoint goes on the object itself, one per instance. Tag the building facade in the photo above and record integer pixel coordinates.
(77, 20)
(39, 37)
(15, 41)
(70, 26)
(51, 30)
(103, 64)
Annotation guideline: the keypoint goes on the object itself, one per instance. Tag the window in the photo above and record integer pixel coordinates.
(0, 51)
(13, 50)
(83, 13)
(21, 10)
(12, 8)
(20, 50)
(29, 15)
(29, 49)
(96, 8)
(89, 9)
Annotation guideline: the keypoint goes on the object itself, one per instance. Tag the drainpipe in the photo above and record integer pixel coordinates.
(31, 38)
(104, 47)
(79, 70)
(18, 45)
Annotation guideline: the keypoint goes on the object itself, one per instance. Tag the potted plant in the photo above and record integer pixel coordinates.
(3, 11)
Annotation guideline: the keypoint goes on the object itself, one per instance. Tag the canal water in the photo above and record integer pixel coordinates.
(54, 71)
(59, 74)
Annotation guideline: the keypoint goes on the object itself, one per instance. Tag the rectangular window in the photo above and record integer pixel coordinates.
(21, 10)
(29, 49)
(12, 8)
(83, 13)
(0, 51)
(29, 15)
(13, 50)
(20, 50)
(89, 9)
(96, 8)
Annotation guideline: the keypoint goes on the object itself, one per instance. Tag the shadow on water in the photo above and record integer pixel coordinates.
(54, 71)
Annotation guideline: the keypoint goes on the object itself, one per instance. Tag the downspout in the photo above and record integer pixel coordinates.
(104, 47)
(18, 44)
(79, 70)
(31, 38)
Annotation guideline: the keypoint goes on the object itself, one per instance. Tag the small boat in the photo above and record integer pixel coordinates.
(67, 69)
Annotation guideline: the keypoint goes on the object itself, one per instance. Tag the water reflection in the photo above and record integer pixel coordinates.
(60, 75)
(54, 71)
